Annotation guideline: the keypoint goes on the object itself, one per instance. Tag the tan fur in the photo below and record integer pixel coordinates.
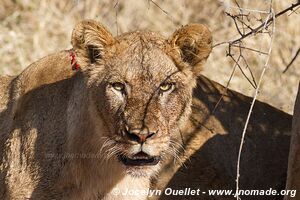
(61, 130)
(293, 179)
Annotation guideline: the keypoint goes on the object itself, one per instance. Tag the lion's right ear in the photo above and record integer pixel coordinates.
(194, 44)
(89, 40)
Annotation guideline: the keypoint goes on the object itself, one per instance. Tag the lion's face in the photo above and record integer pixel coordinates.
(143, 97)
(142, 88)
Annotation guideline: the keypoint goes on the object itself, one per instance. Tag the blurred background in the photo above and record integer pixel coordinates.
(32, 29)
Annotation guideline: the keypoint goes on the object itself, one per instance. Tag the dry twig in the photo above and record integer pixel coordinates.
(262, 26)
(292, 61)
(270, 20)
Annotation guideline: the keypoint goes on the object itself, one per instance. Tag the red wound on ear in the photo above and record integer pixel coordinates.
(74, 64)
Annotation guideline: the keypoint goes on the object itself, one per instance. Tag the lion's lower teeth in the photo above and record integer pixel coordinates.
(140, 158)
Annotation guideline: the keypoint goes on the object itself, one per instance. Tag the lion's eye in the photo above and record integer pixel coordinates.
(118, 86)
(166, 87)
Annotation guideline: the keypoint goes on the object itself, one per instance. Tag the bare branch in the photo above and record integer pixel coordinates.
(234, 17)
(116, 6)
(239, 66)
(273, 17)
(250, 10)
(250, 49)
(292, 61)
(262, 25)
(248, 67)
(226, 88)
(164, 11)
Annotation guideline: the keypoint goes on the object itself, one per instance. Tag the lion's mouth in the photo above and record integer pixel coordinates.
(139, 159)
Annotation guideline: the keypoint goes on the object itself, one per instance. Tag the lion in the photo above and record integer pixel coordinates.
(128, 113)
(293, 176)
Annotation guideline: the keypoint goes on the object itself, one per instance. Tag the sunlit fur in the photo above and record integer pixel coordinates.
(79, 117)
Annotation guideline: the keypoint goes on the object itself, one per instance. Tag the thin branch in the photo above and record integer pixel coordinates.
(263, 25)
(248, 67)
(239, 66)
(254, 99)
(243, 23)
(116, 6)
(250, 49)
(242, 16)
(226, 89)
(234, 17)
(164, 11)
(294, 11)
(292, 61)
(250, 10)
(267, 23)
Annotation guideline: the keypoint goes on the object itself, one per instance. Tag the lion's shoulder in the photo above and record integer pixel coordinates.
(34, 82)
(50, 69)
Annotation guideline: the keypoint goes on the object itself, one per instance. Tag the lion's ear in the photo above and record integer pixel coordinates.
(89, 40)
(194, 43)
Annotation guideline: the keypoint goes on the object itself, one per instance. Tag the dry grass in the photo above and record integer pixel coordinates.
(31, 29)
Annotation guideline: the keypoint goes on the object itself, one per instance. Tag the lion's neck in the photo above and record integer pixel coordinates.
(129, 188)
(106, 181)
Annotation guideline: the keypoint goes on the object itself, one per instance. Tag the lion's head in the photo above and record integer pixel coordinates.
(141, 86)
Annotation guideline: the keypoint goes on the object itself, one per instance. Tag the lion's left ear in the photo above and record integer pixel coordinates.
(89, 40)
(194, 42)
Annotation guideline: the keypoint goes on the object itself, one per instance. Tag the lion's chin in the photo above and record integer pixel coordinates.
(141, 172)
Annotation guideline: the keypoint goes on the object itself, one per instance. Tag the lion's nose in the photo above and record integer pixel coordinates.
(138, 135)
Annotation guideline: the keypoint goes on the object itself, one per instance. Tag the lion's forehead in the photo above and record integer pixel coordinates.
(142, 61)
